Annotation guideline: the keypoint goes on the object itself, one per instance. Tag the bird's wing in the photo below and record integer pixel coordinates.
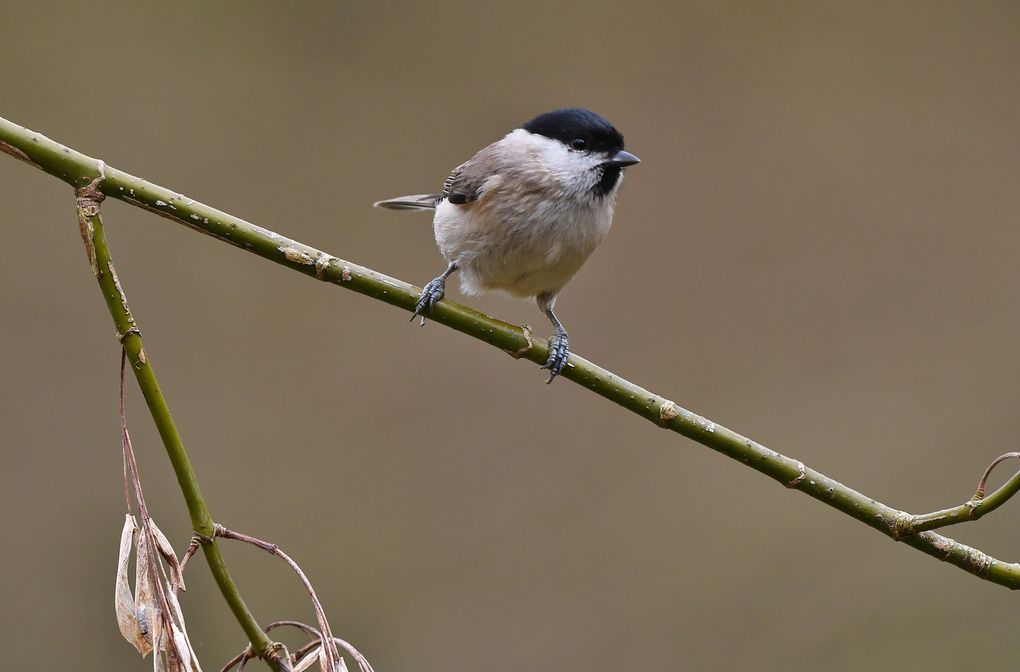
(464, 185)
(467, 181)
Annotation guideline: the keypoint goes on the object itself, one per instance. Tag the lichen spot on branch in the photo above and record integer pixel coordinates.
(295, 255)
(322, 265)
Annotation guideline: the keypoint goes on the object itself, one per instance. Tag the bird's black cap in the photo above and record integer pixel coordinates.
(570, 123)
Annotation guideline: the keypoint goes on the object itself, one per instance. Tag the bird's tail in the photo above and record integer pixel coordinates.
(415, 202)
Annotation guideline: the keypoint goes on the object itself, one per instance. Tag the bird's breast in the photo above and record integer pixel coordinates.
(526, 245)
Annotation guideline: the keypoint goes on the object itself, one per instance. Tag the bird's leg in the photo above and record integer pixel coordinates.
(431, 293)
(559, 351)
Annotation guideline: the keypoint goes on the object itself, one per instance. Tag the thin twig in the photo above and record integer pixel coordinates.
(248, 655)
(980, 493)
(300, 653)
(233, 662)
(196, 543)
(304, 627)
(326, 634)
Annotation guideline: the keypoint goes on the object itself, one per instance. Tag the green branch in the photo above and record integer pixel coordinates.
(78, 170)
(97, 250)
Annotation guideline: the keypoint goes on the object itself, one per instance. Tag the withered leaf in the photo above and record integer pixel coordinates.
(182, 648)
(147, 610)
(167, 551)
(188, 658)
(127, 619)
(308, 660)
(159, 643)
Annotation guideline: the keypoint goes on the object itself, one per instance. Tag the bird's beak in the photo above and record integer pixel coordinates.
(622, 159)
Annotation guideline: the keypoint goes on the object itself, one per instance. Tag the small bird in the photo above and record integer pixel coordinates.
(523, 214)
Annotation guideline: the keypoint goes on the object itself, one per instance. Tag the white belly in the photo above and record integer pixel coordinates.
(530, 248)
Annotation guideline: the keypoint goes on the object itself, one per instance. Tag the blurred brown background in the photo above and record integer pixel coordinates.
(818, 250)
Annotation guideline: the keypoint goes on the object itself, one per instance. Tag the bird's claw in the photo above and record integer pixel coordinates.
(430, 295)
(559, 353)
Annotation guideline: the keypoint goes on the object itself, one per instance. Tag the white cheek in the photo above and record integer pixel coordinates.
(575, 172)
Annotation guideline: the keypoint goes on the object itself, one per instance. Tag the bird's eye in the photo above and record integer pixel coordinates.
(579, 143)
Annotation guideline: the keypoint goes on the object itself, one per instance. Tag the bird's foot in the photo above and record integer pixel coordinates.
(430, 294)
(559, 353)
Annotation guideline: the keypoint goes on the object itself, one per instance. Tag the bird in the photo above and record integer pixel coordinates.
(523, 214)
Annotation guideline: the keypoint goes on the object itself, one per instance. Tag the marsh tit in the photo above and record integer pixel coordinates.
(523, 214)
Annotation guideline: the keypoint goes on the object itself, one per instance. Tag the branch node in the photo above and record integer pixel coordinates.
(91, 192)
(203, 539)
(88, 200)
(902, 526)
(797, 480)
(668, 411)
(278, 652)
(322, 265)
(526, 332)
(130, 330)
